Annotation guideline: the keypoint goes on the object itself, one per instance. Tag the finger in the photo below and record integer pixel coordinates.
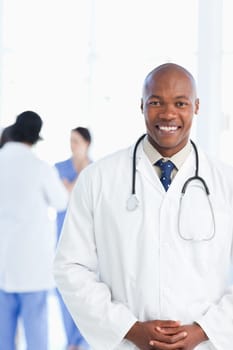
(169, 330)
(164, 346)
(168, 324)
(169, 339)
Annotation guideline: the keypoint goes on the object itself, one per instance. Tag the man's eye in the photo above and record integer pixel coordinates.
(154, 103)
(181, 104)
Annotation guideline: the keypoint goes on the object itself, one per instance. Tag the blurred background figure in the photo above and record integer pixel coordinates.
(28, 187)
(80, 141)
(5, 136)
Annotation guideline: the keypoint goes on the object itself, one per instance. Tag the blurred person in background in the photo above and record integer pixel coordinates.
(5, 136)
(28, 187)
(80, 140)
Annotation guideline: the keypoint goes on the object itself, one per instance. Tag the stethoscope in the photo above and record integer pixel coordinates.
(133, 202)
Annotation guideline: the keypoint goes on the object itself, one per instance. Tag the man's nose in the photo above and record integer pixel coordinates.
(168, 112)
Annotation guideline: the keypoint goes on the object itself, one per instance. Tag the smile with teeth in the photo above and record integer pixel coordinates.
(167, 128)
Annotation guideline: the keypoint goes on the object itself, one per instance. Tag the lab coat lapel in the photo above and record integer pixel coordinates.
(146, 169)
(186, 171)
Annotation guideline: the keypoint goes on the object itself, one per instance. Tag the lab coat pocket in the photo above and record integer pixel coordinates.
(208, 251)
(196, 222)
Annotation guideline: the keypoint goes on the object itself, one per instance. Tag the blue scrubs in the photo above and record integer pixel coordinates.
(33, 311)
(67, 171)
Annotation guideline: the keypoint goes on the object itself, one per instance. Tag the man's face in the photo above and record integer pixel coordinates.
(168, 104)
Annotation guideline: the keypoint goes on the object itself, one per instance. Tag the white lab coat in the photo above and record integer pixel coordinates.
(115, 266)
(28, 186)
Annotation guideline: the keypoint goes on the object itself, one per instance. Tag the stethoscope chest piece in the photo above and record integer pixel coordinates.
(132, 202)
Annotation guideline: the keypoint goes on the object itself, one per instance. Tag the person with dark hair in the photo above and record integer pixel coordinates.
(5, 136)
(27, 127)
(146, 248)
(80, 140)
(28, 187)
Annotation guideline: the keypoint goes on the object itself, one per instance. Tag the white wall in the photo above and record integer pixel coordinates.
(83, 63)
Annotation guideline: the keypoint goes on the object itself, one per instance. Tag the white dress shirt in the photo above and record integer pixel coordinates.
(177, 159)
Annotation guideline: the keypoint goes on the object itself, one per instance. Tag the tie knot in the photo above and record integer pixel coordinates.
(166, 166)
(166, 170)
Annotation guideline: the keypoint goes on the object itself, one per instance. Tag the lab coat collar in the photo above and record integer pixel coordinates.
(144, 166)
(17, 145)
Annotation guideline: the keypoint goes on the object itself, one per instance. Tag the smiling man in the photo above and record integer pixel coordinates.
(169, 102)
(138, 267)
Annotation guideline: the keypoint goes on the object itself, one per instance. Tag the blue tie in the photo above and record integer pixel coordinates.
(166, 170)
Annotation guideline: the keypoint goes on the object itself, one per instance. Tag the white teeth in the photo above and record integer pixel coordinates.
(168, 128)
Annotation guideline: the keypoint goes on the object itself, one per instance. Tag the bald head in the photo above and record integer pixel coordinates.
(165, 71)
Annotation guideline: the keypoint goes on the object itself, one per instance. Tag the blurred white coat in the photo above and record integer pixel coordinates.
(28, 187)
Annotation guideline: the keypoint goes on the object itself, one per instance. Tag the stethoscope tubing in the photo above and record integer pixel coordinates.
(133, 201)
(133, 192)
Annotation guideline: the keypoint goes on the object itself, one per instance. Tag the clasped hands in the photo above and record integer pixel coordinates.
(165, 335)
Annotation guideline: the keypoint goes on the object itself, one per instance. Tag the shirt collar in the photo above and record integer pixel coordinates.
(178, 159)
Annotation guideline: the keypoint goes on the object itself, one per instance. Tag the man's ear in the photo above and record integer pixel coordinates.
(197, 105)
(141, 106)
